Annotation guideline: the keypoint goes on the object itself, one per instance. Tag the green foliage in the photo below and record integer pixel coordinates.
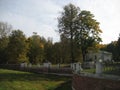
(88, 31)
(4, 29)
(114, 48)
(17, 47)
(36, 49)
(4, 32)
(48, 51)
(78, 30)
(80, 27)
(67, 25)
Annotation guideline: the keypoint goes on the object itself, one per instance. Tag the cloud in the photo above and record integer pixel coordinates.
(107, 13)
(32, 16)
(41, 15)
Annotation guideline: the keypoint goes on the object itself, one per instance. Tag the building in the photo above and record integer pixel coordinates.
(92, 57)
(103, 55)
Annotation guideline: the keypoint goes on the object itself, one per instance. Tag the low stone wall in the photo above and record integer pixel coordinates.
(95, 82)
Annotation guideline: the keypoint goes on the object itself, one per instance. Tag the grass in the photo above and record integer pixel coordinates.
(89, 70)
(17, 80)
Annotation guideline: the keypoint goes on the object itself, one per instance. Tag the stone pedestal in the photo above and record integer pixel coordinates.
(48, 65)
(76, 67)
(22, 65)
(99, 67)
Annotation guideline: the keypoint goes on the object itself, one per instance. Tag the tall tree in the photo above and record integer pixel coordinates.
(36, 49)
(48, 50)
(80, 27)
(17, 47)
(88, 31)
(66, 24)
(5, 30)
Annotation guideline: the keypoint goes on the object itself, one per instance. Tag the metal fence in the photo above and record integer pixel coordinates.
(111, 68)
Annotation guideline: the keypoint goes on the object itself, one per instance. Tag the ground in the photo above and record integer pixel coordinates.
(17, 80)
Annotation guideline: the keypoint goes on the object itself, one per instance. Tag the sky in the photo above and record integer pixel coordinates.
(41, 16)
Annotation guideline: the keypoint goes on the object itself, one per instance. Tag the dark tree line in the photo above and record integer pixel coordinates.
(16, 48)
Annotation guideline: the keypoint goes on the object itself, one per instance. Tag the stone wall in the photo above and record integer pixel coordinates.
(84, 82)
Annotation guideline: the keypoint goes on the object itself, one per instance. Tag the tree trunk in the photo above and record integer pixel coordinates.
(72, 47)
(84, 55)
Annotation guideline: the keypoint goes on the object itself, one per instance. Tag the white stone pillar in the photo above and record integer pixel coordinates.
(99, 67)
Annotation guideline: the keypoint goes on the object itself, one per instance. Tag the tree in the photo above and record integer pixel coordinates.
(66, 24)
(118, 48)
(80, 27)
(65, 49)
(48, 50)
(17, 47)
(4, 32)
(4, 29)
(88, 31)
(36, 49)
(112, 47)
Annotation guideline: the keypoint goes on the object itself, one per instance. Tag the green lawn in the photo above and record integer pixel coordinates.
(16, 80)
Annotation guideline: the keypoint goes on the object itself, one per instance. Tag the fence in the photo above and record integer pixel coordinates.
(111, 68)
(37, 69)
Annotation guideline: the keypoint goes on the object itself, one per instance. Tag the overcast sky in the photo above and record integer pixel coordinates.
(41, 16)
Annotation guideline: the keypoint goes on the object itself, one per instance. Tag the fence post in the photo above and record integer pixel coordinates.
(99, 67)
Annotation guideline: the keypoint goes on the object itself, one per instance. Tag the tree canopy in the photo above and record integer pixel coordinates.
(80, 27)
